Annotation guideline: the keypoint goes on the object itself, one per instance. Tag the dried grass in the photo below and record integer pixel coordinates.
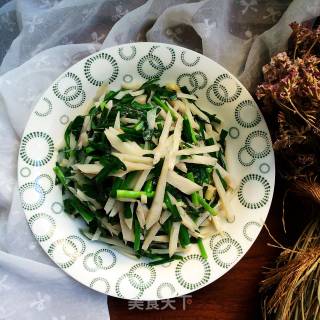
(291, 290)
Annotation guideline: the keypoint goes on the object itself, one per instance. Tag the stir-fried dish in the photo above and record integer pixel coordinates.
(145, 169)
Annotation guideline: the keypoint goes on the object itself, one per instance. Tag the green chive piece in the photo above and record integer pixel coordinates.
(85, 212)
(194, 195)
(164, 106)
(224, 183)
(139, 126)
(137, 234)
(116, 185)
(127, 211)
(133, 194)
(188, 132)
(184, 237)
(148, 187)
(172, 208)
(165, 260)
(60, 175)
(207, 207)
(202, 249)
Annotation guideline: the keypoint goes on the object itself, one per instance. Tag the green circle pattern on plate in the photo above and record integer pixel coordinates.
(259, 180)
(40, 217)
(218, 251)
(43, 177)
(242, 121)
(234, 132)
(216, 237)
(64, 119)
(106, 58)
(206, 271)
(155, 62)
(57, 207)
(245, 158)
(59, 253)
(25, 172)
(76, 102)
(145, 268)
(187, 63)
(37, 191)
(89, 263)
(146, 74)
(37, 135)
(79, 243)
(196, 80)
(250, 146)
(221, 93)
(249, 225)
(48, 111)
(128, 276)
(264, 168)
(170, 64)
(99, 261)
(71, 91)
(102, 281)
(162, 287)
(126, 56)
(127, 78)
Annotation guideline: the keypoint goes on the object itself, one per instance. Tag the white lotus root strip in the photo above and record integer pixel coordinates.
(206, 160)
(156, 206)
(181, 183)
(162, 238)
(141, 211)
(178, 106)
(186, 219)
(151, 118)
(126, 232)
(226, 176)
(226, 204)
(109, 205)
(175, 143)
(131, 85)
(182, 166)
(165, 215)
(174, 236)
(182, 95)
(117, 121)
(136, 166)
(150, 236)
(101, 92)
(193, 123)
(133, 158)
(196, 111)
(141, 99)
(158, 151)
(141, 180)
(198, 150)
(124, 147)
(93, 168)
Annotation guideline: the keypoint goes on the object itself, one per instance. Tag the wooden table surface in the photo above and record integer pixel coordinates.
(235, 296)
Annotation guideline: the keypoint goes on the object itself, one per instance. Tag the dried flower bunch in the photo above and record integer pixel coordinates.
(291, 101)
(291, 95)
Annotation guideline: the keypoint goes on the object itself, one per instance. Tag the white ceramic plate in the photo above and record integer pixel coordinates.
(249, 155)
